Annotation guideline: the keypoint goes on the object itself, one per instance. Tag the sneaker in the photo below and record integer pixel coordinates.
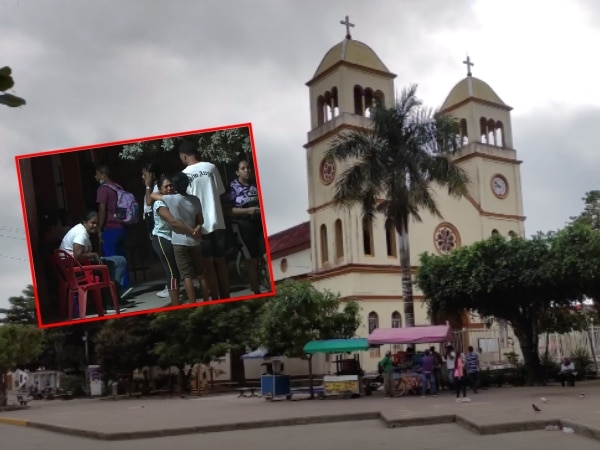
(466, 399)
(126, 292)
(163, 294)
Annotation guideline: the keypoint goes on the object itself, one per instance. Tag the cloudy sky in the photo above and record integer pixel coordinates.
(101, 70)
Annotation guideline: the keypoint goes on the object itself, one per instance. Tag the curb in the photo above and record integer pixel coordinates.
(488, 429)
(147, 434)
(12, 421)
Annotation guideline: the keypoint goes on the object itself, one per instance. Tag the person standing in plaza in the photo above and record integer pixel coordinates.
(450, 364)
(473, 369)
(437, 368)
(427, 376)
(388, 370)
(205, 183)
(460, 381)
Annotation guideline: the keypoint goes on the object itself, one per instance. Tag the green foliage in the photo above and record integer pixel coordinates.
(403, 158)
(582, 359)
(224, 146)
(299, 314)
(22, 309)
(6, 83)
(126, 344)
(19, 345)
(590, 215)
(530, 283)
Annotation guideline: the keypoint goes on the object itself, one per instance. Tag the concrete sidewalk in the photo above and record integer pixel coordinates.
(491, 411)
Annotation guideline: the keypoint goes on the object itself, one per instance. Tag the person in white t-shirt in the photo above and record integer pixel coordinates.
(450, 364)
(77, 243)
(206, 184)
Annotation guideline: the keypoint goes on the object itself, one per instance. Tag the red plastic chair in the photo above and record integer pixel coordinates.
(84, 279)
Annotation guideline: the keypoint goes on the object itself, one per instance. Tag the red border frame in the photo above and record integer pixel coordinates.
(130, 141)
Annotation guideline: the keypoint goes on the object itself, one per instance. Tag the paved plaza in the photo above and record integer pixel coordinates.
(493, 411)
(337, 436)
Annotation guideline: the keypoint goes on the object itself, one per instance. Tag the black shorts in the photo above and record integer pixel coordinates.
(214, 245)
(252, 237)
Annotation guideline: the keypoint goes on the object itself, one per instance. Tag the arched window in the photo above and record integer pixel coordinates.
(368, 237)
(491, 132)
(512, 234)
(483, 131)
(373, 321)
(369, 98)
(495, 232)
(358, 100)
(324, 245)
(390, 238)
(396, 320)
(335, 102)
(499, 134)
(464, 135)
(379, 99)
(320, 110)
(339, 240)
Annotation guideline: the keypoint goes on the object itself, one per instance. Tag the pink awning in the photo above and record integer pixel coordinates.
(413, 335)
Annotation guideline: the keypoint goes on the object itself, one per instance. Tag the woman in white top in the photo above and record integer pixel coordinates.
(78, 244)
(150, 175)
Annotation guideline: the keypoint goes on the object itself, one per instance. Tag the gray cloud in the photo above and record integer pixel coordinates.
(95, 72)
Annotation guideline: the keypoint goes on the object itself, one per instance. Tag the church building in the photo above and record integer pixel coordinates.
(336, 250)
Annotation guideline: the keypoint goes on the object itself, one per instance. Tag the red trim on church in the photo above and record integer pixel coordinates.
(290, 241)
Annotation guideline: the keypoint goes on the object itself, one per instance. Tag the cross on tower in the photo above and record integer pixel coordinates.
(468, 64)
(348, 25)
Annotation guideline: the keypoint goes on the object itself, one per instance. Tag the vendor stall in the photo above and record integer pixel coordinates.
(273, 381)
(407, 377)
(347, 381)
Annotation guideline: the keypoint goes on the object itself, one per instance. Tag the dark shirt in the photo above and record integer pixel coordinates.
(427, 363)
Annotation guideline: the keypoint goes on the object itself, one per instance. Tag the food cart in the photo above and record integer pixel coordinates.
(273, 381)
(406, 379)
(347, 382)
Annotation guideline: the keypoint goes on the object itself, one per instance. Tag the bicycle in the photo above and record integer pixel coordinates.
(408, 382)
(264, 279)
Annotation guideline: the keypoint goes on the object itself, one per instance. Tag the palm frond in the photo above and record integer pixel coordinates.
(354, 144)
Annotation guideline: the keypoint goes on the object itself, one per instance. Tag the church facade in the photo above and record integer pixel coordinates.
(335, 249)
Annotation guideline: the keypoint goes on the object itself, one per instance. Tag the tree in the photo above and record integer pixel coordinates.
(403, 158)
(19, 345)
(6, 83)
(524, 282)
(125, 344)
(224, 146)
(298, 314)
(22, 309)
(591, 212)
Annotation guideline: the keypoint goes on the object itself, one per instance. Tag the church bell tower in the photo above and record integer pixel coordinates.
(342, 92)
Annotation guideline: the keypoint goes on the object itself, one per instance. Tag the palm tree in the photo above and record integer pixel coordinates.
(400, 159)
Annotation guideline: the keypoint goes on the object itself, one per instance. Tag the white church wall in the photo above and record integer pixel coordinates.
(292, 265)
(294, 367)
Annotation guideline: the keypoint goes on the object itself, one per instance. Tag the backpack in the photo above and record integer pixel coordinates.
(128, 209)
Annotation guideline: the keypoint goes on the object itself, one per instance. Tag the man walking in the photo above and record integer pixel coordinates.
(473, 369)
(388, 370)
(206, 184)
(427, 364)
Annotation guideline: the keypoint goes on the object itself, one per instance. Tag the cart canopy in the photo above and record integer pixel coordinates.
(337, 346)
(259, 353)
(414, 335)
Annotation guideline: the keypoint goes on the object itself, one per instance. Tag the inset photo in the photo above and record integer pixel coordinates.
(145, 225)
